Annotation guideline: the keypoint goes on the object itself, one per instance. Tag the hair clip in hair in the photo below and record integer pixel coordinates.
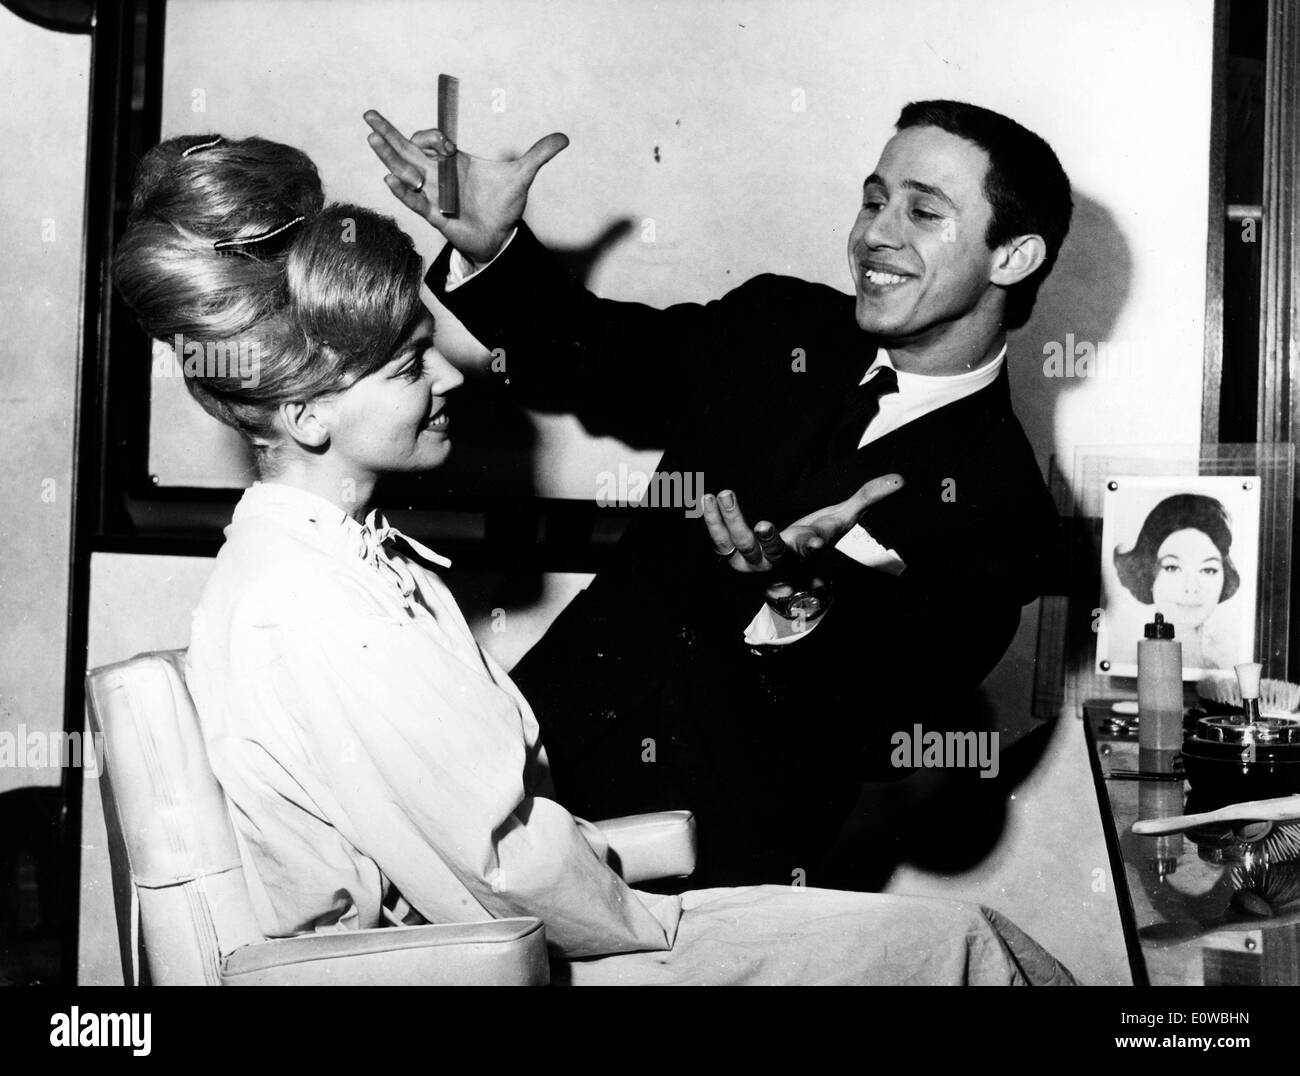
(264, 244)
(202, 145)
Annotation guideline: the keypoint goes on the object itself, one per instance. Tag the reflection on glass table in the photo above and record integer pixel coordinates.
(1216, 905)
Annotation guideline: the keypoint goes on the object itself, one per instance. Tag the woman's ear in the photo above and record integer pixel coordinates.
(307, 422)
(1018, 258)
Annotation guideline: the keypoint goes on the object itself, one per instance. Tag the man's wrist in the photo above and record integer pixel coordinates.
(804, 601)
(462, 266)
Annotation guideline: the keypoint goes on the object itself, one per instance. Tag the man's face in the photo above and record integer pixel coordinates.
(917, 253)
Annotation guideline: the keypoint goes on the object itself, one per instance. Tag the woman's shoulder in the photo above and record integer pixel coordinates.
(268, 573)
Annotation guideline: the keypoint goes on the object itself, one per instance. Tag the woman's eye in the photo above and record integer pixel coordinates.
(414, 370)
(1209, 571)
(1169, 568)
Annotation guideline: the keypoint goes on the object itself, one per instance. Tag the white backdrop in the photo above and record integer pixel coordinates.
(743, 130)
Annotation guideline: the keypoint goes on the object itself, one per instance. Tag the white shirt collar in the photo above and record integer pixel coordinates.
(959, 384)
(920, 394)
(278, 498)
(332, 527)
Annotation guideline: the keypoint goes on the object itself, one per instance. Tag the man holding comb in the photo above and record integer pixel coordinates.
(761, 675)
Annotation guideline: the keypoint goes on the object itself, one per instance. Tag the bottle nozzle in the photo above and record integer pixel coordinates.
(1248, 677)
(1159, 628)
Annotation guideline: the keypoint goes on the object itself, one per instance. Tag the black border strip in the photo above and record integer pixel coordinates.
(120, 32)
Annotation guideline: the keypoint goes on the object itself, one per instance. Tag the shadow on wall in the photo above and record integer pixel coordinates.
(495, 440)
(1080, 303)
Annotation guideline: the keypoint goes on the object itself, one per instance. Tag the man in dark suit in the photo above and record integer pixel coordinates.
(763, 676)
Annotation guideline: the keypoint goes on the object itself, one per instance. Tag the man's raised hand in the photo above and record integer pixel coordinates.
(493, 194)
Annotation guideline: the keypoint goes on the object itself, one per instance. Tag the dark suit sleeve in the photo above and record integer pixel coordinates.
(623, 368)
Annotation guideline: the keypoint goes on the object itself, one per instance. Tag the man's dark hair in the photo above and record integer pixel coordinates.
(1025, 184)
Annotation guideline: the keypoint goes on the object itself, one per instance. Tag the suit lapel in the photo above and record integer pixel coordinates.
(906, 448)
(768, 447)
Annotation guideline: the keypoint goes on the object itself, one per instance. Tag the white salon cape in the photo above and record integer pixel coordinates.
(366, 742)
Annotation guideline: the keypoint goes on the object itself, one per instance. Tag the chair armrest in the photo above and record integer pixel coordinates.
(644, 847)
(499, 952)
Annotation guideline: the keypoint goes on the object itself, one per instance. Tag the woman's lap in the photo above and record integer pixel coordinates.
(773, 935)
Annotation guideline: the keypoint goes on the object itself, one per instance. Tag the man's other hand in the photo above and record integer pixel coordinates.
(762, 549)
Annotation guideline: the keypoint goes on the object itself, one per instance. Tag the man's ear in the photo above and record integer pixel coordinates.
(306, 421)
(1017, 259)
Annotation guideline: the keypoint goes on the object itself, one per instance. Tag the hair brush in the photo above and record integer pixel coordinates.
(1277, 698)
(1271, 880)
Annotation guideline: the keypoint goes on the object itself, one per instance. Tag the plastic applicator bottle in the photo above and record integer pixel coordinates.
(1160, 697)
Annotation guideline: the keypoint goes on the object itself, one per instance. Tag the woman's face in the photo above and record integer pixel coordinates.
(395, 419)
(1189, 578)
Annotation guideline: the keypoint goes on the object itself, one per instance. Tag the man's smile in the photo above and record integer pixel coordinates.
(880, 277)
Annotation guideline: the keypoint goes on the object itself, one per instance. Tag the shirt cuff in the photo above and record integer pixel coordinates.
(460, 268)
(769, 628)
(858, 545)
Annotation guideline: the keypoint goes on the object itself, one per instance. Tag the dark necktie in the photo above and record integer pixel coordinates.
(860, 407)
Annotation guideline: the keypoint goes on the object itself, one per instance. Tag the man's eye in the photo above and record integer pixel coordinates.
(875, 205)
(926, 215)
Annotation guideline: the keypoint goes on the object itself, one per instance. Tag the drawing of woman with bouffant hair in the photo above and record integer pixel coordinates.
(1181, 565)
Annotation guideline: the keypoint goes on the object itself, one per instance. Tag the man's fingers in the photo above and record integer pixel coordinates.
(409, 172)
(871, 492)
(434, 141)
(804, 540)
(419, 201)
(380, 125)
(722, 543)
(769, 541)
(542, 151)
(401, 148)
(741, 534)
(384, 132)
(408, 196)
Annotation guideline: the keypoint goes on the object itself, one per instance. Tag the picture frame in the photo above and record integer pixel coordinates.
(1068, 672)
(1187, 548)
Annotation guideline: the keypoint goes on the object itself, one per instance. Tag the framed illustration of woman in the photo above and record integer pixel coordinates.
(1188, 548)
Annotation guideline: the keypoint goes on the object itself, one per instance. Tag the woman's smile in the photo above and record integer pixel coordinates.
(438, 422)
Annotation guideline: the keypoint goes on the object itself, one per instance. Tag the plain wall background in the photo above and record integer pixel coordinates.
(44, 87)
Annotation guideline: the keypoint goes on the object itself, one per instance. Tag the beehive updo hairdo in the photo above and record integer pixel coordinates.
(318, 306)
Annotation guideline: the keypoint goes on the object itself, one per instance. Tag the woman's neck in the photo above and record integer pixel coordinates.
(350, 492)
